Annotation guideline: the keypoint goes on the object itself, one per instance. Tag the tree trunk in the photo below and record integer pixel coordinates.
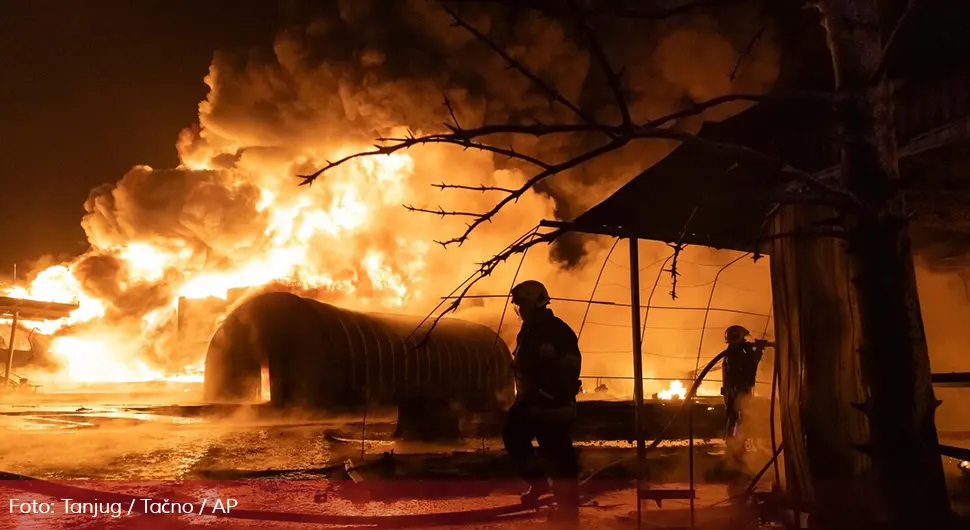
(816, 338)
(907, 472)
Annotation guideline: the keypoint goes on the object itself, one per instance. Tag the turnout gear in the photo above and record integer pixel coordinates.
(741, 360)
(536, 490)
(546, 364)
(530, 293)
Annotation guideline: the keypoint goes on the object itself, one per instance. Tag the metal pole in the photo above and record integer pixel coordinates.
(9, 367)
(637, 369)
(690, 456)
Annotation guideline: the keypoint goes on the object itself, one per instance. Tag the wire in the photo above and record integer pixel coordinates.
(645, 267)
(653, 290)
(710, 300)
(515, 277)
(444, 299)
(595, 285)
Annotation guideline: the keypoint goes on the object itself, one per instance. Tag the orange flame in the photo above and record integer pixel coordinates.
(296, 224)
(673, 391)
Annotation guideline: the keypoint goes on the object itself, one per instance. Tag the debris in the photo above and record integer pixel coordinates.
(350, 470)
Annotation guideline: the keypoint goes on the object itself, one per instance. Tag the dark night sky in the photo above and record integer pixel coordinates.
(90, 89)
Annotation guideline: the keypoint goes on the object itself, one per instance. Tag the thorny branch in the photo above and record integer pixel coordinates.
(613, 78)
(678, 247)
(615, 136)
(451, 111)
(483, 188)
(516, 65)
(746, 52)
(485, 269)
(440, 211)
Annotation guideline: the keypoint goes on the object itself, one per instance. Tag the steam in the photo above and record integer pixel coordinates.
(232, 216)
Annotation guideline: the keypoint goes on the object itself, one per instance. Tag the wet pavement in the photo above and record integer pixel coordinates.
(146, 447)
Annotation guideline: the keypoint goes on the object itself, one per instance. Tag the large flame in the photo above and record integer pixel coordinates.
(231, 215)
(295, 223)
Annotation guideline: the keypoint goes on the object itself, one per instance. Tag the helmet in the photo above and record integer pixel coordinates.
(734, 333)
(530, 293)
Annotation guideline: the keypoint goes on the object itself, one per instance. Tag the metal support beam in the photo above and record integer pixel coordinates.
(957, 379)
(10, 350)
(959, 453)
(637, 370)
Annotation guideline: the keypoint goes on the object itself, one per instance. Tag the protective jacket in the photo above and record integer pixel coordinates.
(546, 363)
(741, 367)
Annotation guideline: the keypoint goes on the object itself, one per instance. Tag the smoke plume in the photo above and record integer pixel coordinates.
(231, 215)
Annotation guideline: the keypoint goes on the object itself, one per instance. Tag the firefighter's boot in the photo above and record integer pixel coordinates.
(537, 489)
(566, 514)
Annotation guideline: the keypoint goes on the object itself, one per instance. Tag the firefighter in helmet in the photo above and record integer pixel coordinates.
(741, 359)
(546, 365)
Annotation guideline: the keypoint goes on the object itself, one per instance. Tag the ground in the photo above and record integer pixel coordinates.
(140, 447)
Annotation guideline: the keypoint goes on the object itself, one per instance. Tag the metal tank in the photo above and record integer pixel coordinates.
(323, 357)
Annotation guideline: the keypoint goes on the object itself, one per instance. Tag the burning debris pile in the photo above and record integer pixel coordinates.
(231, 215)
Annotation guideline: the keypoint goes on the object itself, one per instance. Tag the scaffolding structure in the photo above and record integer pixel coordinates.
(638, 330)
(20, 310)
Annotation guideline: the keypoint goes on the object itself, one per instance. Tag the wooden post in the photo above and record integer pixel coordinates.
(637, 367)
(10, 349)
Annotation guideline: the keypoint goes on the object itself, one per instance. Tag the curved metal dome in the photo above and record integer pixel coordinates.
(323, 357)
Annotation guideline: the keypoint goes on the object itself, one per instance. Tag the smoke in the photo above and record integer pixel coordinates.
(232, 216)
(945, 306)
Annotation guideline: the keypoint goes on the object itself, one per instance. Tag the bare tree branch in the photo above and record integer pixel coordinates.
(440, 211)
(553, 170)
(678, 248)
(515, 64)
(616, 135)
(746, 52)
(674, 274)
(485, 269)
(451, 111)
(892, 41)
(483, 188)
(699, 108)
(620, 137)
(613, 78)
(508, 152)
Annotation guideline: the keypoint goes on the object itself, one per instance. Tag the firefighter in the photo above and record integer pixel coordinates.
(546, 365)
(741, 359)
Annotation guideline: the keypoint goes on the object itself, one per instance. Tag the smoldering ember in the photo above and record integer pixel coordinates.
(485, 264)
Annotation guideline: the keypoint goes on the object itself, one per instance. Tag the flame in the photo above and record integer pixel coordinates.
(675, 390)
(297, 223)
